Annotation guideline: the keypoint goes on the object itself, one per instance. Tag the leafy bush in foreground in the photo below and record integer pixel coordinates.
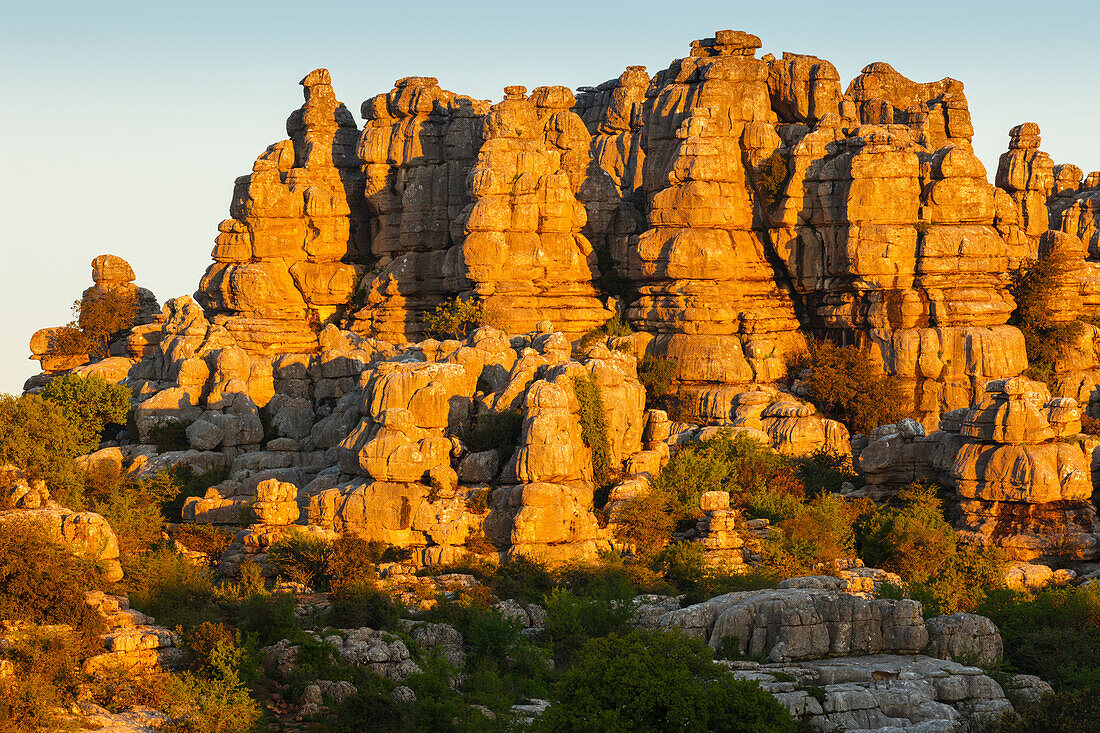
(90, 404)
(36, 436)
(657, 681)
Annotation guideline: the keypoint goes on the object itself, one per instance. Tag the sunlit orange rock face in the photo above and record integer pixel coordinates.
(290, 257)
(729, 206)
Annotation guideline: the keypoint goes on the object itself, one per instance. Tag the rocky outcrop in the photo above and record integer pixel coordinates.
(290, 258)
(522, 251)
(813, 617)
(418, 146)
(26, 502)
(704, 269)
(109, 309)
(1019, 468)
(929, 695)
(803, 623)
(133, 644)
(381, 653)
(727, 207)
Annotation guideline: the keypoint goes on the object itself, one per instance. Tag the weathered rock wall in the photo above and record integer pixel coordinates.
(291, 256)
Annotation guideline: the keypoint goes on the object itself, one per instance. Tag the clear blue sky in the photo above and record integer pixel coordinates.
(125, 123)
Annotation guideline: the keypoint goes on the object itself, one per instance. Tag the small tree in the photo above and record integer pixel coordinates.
(103, 317)
(846, 385)
(1034, 286)
(455, 318)
(90, 403)
(97, 320)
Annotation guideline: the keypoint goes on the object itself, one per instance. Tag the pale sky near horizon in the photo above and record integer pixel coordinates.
(127, 122)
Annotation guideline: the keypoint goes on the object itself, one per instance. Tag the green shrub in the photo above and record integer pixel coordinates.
(166, 585)
(913, 540)
(103, 318)
(207, 645)
(962, 583)
(727, 462)
(371, 709)
(46, 675)
(439, 706)
(492, 640)
(488, 634)
(220, 704)
(846, 386)
(494, 431)
(250, 581)
(774, 505)
(1068, 711)
(594, 427)
(180, 482)
(572, 619)
(657, 681)
(606, 580)
(455, 318)
(134, 514)
(646, 522)
(1034, 286)
(91, 404)
(43, 583)
(170, 435)
(267, 619)
(523, 579)
(1053, 633)
(302, 558)
(484, 686)
(683, 565)
(138, 511)
(208, 539)
(353, 561)
(36, 436)
(357, 605)
(656, 376)
(826, 470)
(614, 327)
(812, 534)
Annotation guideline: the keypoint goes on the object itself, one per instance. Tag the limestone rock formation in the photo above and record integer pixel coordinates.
(418, 145)
(132, 643)
(292, 254)
(929, 694)
(108, 311)
(27, 502)
(1021, 473)
(522, 250)
(794, 624)
(726, 208)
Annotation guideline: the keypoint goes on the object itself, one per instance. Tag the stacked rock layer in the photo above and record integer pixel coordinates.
(729, 206)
